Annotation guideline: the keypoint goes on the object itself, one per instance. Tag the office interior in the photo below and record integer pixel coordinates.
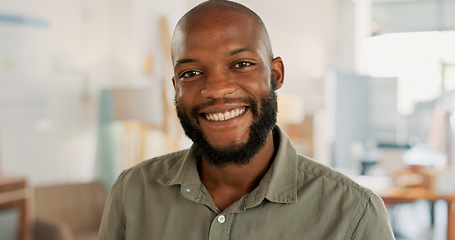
(86, 92)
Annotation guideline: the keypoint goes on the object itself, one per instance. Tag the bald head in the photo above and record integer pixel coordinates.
(197, 15)
(225, 5)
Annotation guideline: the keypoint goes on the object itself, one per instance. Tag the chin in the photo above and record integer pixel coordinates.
(229, 146)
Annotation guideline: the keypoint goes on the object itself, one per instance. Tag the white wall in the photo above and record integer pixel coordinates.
(45, 128)
(51, 75)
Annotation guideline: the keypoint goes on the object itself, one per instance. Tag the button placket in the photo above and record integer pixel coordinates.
(220, 227)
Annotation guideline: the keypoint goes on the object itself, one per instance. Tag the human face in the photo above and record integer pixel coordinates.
(222, 69)
(239, 154)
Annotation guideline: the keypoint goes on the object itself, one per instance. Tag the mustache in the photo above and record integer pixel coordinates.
(246, 100)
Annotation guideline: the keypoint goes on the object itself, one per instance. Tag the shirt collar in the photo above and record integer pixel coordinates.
(278, 185)
(282, 187)
(185, 168)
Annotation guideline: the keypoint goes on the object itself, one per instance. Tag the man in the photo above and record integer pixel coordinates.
(241, 179)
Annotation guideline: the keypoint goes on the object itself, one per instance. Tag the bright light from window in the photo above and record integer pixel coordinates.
(417, 60)
(449, 77)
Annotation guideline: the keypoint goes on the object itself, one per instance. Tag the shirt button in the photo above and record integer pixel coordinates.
(187, 190)
(221, 219)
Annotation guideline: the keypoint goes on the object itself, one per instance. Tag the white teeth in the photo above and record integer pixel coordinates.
(224, 116)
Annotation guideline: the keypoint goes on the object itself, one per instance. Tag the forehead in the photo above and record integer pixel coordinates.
(210, 27)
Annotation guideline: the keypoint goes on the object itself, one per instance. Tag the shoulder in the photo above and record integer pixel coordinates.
(152, 169)
(363, 212)
(311, 172)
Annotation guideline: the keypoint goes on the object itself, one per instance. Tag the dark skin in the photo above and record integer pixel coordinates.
(218, 54)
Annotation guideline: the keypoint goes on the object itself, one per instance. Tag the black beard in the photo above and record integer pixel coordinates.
(239, 154)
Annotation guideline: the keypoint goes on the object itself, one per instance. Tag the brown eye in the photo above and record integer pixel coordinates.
(189, 74)
(242, 64)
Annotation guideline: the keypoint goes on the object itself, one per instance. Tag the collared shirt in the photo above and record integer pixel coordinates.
(298, 198)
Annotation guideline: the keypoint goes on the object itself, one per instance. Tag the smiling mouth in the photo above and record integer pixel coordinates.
(224, 116)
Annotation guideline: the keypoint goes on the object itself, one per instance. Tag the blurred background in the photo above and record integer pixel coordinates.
(86, 92)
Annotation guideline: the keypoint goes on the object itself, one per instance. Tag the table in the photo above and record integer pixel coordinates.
(397, 195)
(15, 193)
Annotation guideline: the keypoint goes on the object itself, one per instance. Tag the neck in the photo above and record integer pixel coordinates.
(229, 183)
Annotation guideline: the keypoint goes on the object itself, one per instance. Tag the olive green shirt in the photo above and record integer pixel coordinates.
(163, 198)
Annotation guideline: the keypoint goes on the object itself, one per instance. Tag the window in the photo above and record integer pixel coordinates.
(423, 62)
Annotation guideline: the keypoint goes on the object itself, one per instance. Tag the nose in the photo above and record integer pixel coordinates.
(218, 85)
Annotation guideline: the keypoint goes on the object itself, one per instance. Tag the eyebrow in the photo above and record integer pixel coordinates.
(240, 50)
(185, 60)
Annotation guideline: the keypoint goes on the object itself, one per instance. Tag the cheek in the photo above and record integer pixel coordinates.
(257, 88)
(178, 95)
(185, 95)
(180, 92)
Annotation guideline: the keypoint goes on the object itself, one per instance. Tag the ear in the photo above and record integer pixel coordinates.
(277, 68)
